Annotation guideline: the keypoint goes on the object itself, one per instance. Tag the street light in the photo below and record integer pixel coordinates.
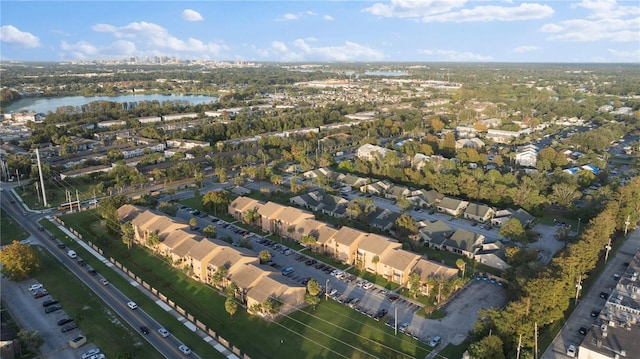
(578, 287)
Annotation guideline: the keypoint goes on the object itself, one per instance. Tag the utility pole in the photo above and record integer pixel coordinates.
(44, 194)
(18, 177)
(578, 231)
(578, 287)
(608, 248)
(78, 199)
(395, 326)
(519, 343)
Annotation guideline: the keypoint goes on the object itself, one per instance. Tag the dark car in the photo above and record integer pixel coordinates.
(594, 313)
(64, 321)
(381, 313)
(52, 308)
(604, 295)
(144, 330)
(49, 302)
(393, 298)
(61, 245)
(69, 327)
(583, 330)
(92, 271)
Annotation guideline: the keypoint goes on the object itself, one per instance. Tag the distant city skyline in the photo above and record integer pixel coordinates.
(318, 31)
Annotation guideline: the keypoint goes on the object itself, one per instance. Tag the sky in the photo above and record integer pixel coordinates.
(323, 31)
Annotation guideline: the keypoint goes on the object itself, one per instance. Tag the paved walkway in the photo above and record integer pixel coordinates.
(207, 338)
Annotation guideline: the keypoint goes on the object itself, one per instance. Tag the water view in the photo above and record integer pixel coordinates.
(45, 105)
(386, 73)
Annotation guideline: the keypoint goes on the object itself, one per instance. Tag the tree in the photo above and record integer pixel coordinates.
(127, 234)
(215, 199)
(311, 300)
(512, 229)
(461, 264)
(490, 347)
(222, 174)
(193, 222)
(218, 276)
(406, 225)
(313, 287)
(308, 240)
(32, 341)
(153, 239)
(19, 261)
(414, 285)
(264, 256)
(252, 216)
(209, 231)
(108, 208)
(230, 306)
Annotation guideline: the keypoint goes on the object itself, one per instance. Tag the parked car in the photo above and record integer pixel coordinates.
(571, 351)
(163, 332)
(41, 294)
(35, 287)
(90, 353)
(435, 341)
(52, 308)
(49, 302)
(583, 330)
(287, 271)
(604, 295)
(403, 327)
(393, 298)
(64, 321)
(69, 327)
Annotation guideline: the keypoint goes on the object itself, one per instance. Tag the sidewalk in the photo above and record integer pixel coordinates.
(206, 337)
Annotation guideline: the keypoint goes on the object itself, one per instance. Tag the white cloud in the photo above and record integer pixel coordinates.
(328, 17)
(607, 20)
(524, 11)
(452, 55)
(83, 50)
(413, 8)
(617, 30)
(191, 15)
(632, 55)
(302, 50)
(279, 46)
(155, 37)
(296, 16)
(526, 48)
(9, 34)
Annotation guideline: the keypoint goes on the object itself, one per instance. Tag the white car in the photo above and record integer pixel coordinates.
(90, 353)
(571, 351)
(98, 356)
(403, 327)
(184, 349)
(104, 281)
(35, 287)
(132, 305)
(367, 285)
(163, 332)
(335, 272)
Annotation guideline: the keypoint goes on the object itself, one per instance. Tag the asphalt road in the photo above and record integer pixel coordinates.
(111, 296)
(581, 316)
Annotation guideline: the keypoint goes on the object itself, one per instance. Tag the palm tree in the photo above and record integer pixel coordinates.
(153, 239)
(193, 222)
(461, 264)
(230, 306)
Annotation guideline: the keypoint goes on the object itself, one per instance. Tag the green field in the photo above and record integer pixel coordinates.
(10, 229)
(330, 331)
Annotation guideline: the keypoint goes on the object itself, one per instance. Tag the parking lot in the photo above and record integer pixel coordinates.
(29, 312)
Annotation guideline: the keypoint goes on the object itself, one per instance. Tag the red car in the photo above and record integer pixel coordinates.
(41, 294)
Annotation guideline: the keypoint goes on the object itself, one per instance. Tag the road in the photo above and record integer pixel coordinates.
(111, 296)
(581, 316)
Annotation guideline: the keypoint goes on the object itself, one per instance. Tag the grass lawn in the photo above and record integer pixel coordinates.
(55, 194)
(98, 323)
(10, 229)
(330, 331)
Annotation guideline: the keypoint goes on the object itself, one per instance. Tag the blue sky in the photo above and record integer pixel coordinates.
(302, 31)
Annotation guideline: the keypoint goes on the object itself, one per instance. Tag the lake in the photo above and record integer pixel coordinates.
(386, 73)
(45, 105)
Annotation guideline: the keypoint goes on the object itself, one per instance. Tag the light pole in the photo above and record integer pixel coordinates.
(608, 248)
(326, 291)
(626, 226)
(578, 287)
